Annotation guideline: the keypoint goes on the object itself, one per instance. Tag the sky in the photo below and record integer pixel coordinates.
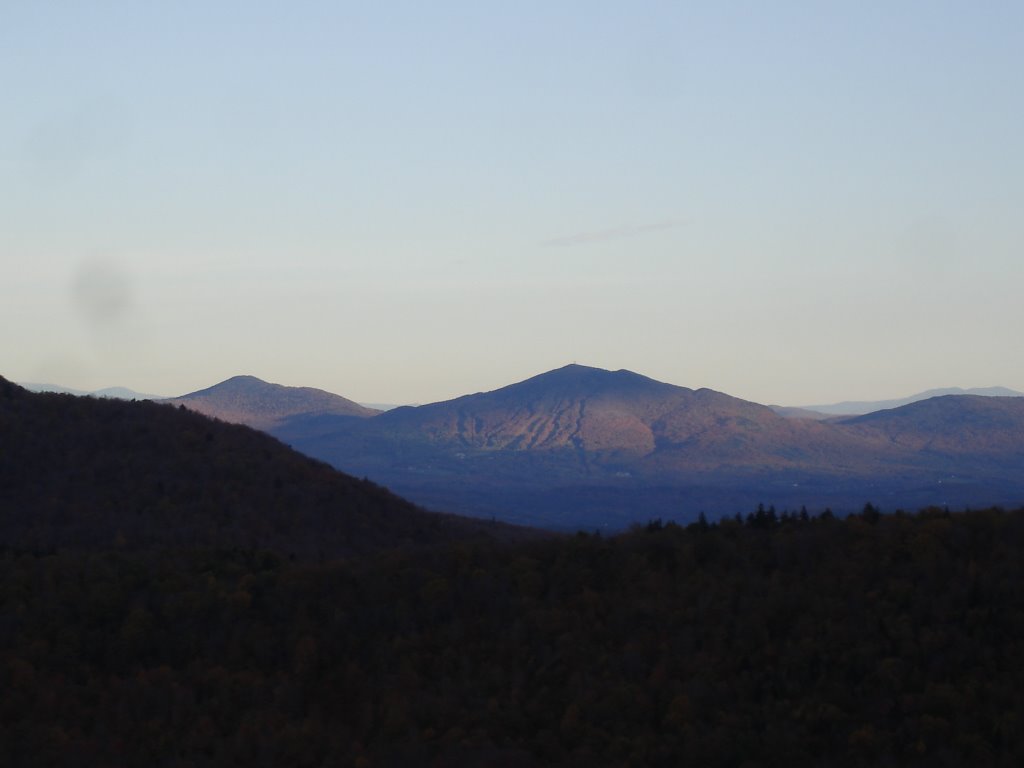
(791, 202)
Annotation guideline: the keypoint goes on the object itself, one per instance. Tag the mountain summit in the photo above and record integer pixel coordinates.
(578, 408)
(603, 418)
(580, 444)
(260, 404)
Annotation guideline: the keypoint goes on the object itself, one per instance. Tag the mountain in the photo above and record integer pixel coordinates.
(259, 404)
(950, 425)
(32, 386)
(859, 407)
(582, 446)
(84, 473)
(593, 418)
(119, 393)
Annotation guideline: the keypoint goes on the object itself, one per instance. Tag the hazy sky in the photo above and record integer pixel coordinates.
(792, 202)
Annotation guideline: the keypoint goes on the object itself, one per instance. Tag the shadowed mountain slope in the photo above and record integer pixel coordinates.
(83, 473)
(598, 421)
(257, 403)
(955, 425)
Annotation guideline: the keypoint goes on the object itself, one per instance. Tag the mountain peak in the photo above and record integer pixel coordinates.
(576, 408)
(578, 369)
(242, 381)
(246, 399)
(588, 381)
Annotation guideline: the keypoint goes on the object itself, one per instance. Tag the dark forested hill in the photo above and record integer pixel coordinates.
(794, 641)
(95, 473)
(260, 404)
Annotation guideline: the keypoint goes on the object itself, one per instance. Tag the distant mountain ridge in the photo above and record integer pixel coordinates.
(859, 407)
(118, 393)
(952, 425)
(580, 444)
(594, 412)
(262, 405)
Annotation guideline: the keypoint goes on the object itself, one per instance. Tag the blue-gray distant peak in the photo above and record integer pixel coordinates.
(858, 407)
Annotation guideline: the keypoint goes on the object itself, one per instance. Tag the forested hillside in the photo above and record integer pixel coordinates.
(876, 640)
(87, 473)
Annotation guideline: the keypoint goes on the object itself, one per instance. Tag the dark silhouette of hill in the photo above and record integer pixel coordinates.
(582, 446)
(781, 640)
(87, 473)
(259, 404)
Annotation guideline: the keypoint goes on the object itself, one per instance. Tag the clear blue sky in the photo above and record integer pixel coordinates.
(792, 202)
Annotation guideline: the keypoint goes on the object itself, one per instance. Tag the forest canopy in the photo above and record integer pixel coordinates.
(779, 640)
